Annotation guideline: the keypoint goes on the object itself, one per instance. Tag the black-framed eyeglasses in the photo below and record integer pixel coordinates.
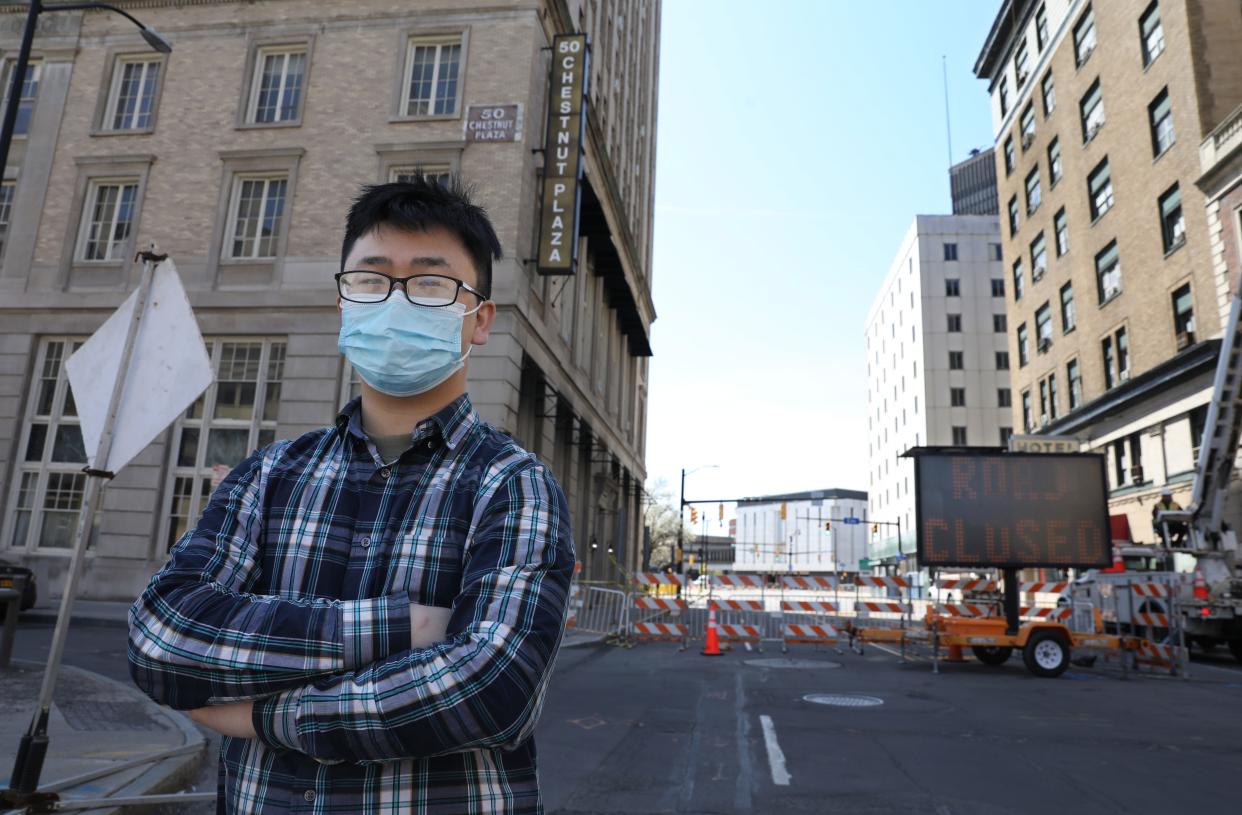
(431, 290)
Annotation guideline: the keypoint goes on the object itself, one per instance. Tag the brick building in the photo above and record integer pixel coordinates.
(1099, 110)
(238, 154)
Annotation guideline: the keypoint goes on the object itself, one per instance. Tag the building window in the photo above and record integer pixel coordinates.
(1151, 32)
(256, 213)
(1006, 433)
(1108, 272)
(276, 87)
(1100, 190)
(952, 287)
(1091, 112)
(442, 174)
(235, 415)
(954, 323)
(1075, 384)
(1033, 195)
(1172, 223)
(1116, 353)
(999, 323)
(1026, 411)
(1054, 162)
(29, 92)
(1019, 281)
(959, 435)
(1183, 317)
(1052, 396)
(1049, 91)
(1011, 158)
(1060, 224)
(1002, 360)
(998, 286)
(1013, 216)
(1068, 318)
(1004, 398)
(1021, 63)
(7, 189)
(433, 65)
(996, 255)
(1043, 327)
(957, 397)
(48, 479)
(956, 361)
(950, 251)
(1041, 27)
(1084, 37)
(1024, 350)
(107, 219)
(1039, 258)
(1043, 402)
(1160, 117)
(1003, 95)
(131, 97)
(1027, 125)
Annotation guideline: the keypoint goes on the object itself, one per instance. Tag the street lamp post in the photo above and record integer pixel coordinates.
(681, 514)
(18, 77)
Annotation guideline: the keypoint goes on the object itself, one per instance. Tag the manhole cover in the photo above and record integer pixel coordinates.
(843, 699)
(786, 662)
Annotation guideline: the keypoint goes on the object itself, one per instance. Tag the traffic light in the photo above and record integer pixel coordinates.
(694, 515)
(875, 528)
(782, 510)
(722, 512)
(827, 526)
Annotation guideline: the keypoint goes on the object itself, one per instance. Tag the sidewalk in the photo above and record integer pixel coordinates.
(96, 723)
(85, 612)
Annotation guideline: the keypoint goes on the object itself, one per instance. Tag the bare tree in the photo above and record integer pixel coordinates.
(661, 517)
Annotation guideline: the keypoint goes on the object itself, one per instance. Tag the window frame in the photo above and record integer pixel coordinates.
(1019, 280)
(1039, 257)
(952, 287)
(1055, 169)
(1048, 93)
(1101, 270)
(110, 89)
(1069, 312)
(1043, 319)
(239, 182)
(8, 195)
(1144, 36)
(1105, 187)
(34, 68)
(1060, 229)
(1002, 357)
(1033, 191)
(1154, 125)
(86, 219)
(396, 156)
(1090, 129)
(1010, 155)
(1026, 125)
(258, 49)
(1084, 28)
(1073, 378)
(1183, 322)
(1170, 237)
(1015, 217)
(957, 396)
(1024, 346)
(408, 39)
(226, 272)
(118, 273)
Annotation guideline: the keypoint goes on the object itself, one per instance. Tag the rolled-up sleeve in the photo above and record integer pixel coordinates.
(483, 686)
(197, 634)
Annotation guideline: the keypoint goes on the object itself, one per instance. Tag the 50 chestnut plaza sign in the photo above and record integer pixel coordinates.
(562, 157)
(1011, 510)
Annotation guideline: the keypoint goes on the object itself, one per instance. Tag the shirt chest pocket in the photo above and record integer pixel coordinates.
(426, 561)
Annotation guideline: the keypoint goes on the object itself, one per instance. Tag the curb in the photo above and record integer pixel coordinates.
(167, 775)
(35, 615)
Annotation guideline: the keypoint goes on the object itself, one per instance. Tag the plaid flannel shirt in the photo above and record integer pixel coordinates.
(295, 587)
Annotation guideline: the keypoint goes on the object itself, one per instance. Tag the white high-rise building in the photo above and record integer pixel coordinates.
(812, 536)
(937, 364)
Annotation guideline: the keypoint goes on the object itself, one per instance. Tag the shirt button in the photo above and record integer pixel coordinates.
(365, 542)
(385, 472)
(308, 796)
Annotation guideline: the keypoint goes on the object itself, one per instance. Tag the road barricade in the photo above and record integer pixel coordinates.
(602, 611)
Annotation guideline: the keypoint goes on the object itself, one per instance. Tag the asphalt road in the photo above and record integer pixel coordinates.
(652, 729)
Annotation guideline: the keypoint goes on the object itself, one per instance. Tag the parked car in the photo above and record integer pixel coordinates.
(8, 573)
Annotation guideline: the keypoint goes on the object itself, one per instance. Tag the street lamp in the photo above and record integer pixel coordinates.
(681, 510)
(23, 60)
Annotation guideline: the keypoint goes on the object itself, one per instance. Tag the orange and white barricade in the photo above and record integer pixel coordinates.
(659, 579)
(657, 623)
(895, 583)
(663, 632)
(739, 581)
(1152, 653)
(810, 624)
(1045, 587)
(822, 633)
(808, 582)
(1058, 613)
(575, 605)
(808, 607)
(965, 584)
(965, 609)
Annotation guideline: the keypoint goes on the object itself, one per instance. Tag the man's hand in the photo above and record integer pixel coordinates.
(232, 719)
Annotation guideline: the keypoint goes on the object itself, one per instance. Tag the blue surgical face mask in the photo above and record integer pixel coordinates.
(402, 349)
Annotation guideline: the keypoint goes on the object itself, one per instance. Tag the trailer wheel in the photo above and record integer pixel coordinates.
(1046, 654)
(992, 654)
(1235, 648)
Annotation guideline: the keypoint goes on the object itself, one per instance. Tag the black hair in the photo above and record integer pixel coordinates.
(423, 203)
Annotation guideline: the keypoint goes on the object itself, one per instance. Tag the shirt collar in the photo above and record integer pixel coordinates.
(452, 423)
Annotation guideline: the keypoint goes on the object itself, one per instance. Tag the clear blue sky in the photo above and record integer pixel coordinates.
(796, 142)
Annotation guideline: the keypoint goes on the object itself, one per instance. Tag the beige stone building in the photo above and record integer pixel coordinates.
(238, 154)
(1115, 309)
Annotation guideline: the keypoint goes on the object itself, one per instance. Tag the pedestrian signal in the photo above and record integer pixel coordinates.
(782, 510)
(722, 512)
(875, 528)
(694, 515)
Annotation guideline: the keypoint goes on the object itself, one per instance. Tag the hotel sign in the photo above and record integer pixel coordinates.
(562, 157)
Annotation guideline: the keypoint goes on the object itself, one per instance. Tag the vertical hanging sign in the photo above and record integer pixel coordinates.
(562, 157)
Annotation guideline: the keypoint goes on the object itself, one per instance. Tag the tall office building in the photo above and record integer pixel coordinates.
(972, 183)
(795, 533)
(238, 154)
(937, 364)
(1099, 110)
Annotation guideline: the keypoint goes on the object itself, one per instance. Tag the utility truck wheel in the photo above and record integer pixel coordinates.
(992, 654)
(1047, 654)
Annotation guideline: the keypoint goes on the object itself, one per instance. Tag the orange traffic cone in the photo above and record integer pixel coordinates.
(712, 648)
(1201, 586)
(955, 654)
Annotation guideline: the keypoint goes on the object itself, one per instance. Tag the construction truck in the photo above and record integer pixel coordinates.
(1208, 597)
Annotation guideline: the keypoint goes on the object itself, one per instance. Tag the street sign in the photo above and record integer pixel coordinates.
(851, 521)
(1044, 444)
(168, 370)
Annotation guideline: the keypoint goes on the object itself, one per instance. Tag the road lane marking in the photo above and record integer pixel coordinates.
(776, 758)
(741, 792)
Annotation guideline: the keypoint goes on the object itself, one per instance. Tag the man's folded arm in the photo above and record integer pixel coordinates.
(197, 632)
(483, 686)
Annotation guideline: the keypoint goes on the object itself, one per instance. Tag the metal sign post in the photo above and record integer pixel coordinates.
(33, 748)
